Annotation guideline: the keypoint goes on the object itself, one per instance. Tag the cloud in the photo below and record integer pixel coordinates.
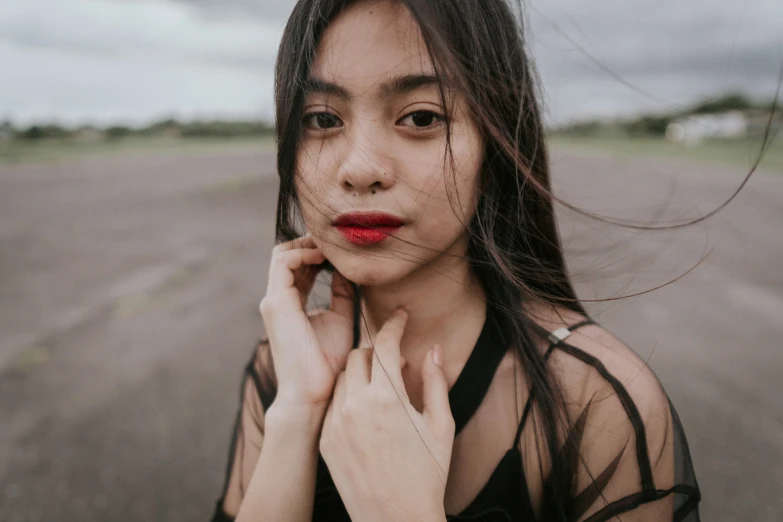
(156, 29)
(259, 9)
(147, 58)
(98, 60)
(673, 51)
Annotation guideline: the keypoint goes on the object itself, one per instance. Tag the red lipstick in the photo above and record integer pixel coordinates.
(367, 228)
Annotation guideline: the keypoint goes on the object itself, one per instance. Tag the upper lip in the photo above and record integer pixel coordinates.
(368, 219)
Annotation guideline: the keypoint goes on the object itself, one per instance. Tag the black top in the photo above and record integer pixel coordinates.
(505, 496)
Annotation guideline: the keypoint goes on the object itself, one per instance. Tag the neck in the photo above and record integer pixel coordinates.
(445, 305)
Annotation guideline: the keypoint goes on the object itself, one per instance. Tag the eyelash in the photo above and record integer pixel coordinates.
(439, 117)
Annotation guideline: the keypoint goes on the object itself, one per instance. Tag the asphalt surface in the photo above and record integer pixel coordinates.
(128, 305)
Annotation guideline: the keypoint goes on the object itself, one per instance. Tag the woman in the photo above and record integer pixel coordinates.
(455, 375)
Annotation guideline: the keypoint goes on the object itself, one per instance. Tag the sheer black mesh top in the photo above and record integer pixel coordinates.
(633, 458)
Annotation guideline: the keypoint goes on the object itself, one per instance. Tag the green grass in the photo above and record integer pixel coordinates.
(741, 153)
(65, 150)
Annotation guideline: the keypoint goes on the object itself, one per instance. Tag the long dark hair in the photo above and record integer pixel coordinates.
(514, 245)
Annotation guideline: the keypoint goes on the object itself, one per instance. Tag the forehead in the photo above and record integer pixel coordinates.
(369, 42)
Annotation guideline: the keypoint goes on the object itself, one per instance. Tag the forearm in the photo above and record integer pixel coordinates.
(283, 484)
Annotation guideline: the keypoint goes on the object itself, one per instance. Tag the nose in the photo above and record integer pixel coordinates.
(363, 169)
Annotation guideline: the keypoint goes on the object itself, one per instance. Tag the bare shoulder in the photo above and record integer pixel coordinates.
(618, 413)
(595, 366)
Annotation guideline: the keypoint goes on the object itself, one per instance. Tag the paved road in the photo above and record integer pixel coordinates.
(128, 294)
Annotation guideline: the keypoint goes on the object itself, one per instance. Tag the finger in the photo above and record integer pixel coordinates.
(342, 295)
(339, 394)
(437, 409)
(284, 264)
(386, 367)
(305, 241)
(357, 370)
(296, 259)
(325, 427)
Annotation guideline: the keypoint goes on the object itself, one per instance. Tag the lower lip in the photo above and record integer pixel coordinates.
(366, 236)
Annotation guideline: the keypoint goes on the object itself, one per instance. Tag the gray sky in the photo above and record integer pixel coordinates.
(101, 61)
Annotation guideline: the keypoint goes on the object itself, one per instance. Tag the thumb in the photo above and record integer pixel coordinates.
(437, 410)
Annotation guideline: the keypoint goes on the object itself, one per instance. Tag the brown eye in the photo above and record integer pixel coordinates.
(423, 119)
(321, 121)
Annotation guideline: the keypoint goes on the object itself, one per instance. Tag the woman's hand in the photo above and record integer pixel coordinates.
(388, 461)
(308, 350)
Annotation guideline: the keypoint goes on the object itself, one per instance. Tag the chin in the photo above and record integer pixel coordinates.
(370, 268)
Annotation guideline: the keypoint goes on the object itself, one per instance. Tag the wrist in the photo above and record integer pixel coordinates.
(288, 418)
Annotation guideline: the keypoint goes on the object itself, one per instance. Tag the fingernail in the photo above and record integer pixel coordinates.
(436, 355)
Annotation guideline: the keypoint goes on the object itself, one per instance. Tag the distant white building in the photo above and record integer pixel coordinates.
(698, 127)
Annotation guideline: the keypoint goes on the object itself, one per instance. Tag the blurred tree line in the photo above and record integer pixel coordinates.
(169, 128)
(656, 124)
(644, 125)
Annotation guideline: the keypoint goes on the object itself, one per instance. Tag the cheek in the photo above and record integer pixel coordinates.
(467, 177)
(309, 169)
(453, 192)
(448, 207)
(311, 182)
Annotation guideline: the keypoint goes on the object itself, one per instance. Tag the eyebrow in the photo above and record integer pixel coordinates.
(394, 87)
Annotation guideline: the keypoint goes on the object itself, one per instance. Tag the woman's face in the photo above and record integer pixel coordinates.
(374, 139)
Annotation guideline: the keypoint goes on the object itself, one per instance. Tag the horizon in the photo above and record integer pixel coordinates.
(756, 104)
